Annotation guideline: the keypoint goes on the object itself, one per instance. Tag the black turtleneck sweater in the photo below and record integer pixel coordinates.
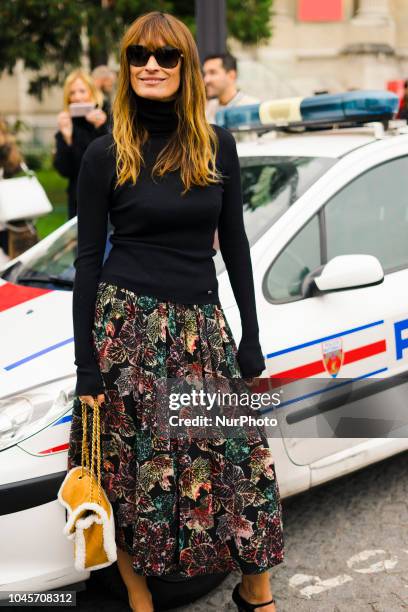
(162, 244)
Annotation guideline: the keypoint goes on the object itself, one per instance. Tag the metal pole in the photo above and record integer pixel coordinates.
(211, 27)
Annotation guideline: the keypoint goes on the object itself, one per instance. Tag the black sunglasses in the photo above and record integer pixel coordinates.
(166, 57)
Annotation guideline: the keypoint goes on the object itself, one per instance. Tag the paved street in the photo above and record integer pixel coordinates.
(346, 549)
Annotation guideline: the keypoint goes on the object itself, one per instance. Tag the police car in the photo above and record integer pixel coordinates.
(324, 183)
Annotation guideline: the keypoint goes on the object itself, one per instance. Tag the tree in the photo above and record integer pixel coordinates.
(249, 21)
(40, 33)
(47, 35)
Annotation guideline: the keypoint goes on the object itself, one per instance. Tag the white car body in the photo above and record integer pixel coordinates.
(37, 352)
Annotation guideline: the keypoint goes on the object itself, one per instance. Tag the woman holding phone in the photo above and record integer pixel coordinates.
(81, 121)
(166, 179)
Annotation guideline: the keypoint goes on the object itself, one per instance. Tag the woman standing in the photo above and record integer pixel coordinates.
(76, 133)
(152, 311)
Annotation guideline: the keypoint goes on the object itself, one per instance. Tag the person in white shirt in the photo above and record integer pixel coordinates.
(220, 78)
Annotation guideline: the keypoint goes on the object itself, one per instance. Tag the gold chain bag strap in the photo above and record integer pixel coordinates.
(95, 451)
(90, 521)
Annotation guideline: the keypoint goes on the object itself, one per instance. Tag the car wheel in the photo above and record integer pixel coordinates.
(168, 592)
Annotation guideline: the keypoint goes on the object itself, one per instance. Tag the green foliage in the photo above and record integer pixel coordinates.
(48, 224)
(55, 186)
(40, 32)
(249, 20)
(34, 160)
(37, 157)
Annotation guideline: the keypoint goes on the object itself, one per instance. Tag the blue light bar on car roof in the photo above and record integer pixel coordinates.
(358, 106)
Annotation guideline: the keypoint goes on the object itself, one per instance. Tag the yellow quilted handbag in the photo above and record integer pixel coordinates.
(90, 521)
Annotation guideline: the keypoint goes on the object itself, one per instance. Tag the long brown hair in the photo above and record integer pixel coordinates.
(193, 146)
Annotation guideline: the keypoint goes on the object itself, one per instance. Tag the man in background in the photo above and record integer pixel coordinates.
(220, 78)
(105, 80)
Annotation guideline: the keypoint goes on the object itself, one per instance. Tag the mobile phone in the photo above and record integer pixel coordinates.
(80, 109)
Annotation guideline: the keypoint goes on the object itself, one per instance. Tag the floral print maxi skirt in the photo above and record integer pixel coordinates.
(192, 507)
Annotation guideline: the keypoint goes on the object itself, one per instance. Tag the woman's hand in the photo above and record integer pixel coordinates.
(97, 117)
(250, 381)
(65, 126)
(89, 399)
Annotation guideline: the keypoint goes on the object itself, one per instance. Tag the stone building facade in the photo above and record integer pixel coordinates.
(364, 47)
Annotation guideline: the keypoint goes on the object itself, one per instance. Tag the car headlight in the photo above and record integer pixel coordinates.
(25, 414)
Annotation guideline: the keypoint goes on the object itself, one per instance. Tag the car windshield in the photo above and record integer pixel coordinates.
(270, 185)
(53, 267)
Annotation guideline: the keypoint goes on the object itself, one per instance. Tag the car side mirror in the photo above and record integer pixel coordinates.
(344, 272)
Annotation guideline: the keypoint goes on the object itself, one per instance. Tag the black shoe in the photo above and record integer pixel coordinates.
(243, 605)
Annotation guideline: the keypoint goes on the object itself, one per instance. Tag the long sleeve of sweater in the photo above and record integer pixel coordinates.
(234, 247)
(93, 205)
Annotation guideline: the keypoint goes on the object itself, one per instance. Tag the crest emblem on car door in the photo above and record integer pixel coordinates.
(332, 352)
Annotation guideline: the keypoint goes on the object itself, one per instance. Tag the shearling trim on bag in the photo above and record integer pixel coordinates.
(86, 519)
